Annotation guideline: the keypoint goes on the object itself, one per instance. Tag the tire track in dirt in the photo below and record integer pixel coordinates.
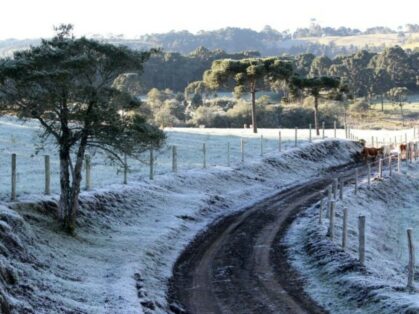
(239, 265)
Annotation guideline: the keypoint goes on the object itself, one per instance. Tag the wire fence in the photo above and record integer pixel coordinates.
(185, 149)
(383, 167)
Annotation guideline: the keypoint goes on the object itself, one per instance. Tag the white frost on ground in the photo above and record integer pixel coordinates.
(333, 277)
(129, 236)
(22, 139)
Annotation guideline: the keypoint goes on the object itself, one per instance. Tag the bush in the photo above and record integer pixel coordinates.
(204, 116)
(240, 114)
(301, 117)
(296, 117)
(224, 103)
(170, 113)
(164, 118)
(359, 105)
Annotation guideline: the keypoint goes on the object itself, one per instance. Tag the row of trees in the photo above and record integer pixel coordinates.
(366, 73)
(258, 74)
(168, 109)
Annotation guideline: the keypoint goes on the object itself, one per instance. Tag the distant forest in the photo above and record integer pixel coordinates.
(267, 42)
(185, 56)
(364, 71)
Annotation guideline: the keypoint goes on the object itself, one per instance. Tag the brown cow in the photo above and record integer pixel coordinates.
(371, 153)
(403, 151)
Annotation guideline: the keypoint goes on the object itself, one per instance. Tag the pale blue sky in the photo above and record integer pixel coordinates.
(34, 18)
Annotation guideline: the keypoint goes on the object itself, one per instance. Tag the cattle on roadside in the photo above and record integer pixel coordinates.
(403, 151)
(371, 153)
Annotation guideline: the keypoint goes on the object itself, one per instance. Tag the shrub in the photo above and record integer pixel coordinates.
(359, 105)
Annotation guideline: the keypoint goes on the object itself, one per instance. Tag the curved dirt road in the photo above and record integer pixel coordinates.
(239, 265)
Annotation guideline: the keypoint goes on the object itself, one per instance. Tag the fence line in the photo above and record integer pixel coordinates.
(362, 220)
(161, 158)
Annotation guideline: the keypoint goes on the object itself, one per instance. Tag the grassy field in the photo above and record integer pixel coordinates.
(390, 118)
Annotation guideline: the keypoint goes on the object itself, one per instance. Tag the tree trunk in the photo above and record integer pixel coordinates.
(70, 191)
(316, 108)
(65, 195)
(255, 129)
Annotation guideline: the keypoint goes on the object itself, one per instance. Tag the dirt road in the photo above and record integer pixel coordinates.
(240, 266)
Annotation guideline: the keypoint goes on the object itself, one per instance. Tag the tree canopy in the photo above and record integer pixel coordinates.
(67, 85)
(314, 87)
(248, 75)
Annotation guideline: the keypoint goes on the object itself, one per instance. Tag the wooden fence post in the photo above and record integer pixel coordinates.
(407, 152)
(47, 175)
(345, 228)
(398, 162)
(309, 133)
(296, 137)
(204, 150)
(125, 169)
(331, 231)
(335, 188)
(411, 265)
(279, 141)
(361, 237)
(174, 158)
(380, 168)
(369, 175)
(329, 200)
(321, 209)
(334, 129)
(389, 165)
(323, 129)
(411, 152)
(14, 174)
(342, 185)
(242, 149)
(151, 164)
(356, 180)
(228, 154)
(261, 145)
(88, 172)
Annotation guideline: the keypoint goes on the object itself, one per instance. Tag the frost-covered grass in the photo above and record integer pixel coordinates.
(22, 139)
(334, 277)
(129, 237)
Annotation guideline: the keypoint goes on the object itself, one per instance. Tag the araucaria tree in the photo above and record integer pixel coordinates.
(314, 87)
(248, 75)
(66, 84)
